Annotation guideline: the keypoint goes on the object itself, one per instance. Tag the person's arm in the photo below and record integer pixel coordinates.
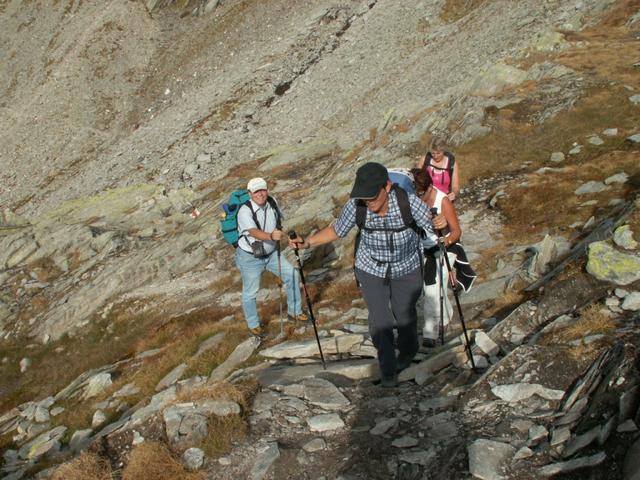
(455, 183)
(340, 228)
(264, 236)
(326, 235)
(449, 212)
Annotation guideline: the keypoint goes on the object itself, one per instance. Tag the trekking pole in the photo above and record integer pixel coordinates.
(292, 235)
(443, 252)
(280, 286)
(442, 287)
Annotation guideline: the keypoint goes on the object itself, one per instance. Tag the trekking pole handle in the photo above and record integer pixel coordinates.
(292, 235)
(434, 212)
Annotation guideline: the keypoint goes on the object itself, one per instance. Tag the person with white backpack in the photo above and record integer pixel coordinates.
(437, 307)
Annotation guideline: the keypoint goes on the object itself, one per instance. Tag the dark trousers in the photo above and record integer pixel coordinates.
(397, 300)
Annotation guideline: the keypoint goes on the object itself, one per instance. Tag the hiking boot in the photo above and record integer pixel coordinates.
(390, 381)
(258, 332)
(429, 343)
(299, 318)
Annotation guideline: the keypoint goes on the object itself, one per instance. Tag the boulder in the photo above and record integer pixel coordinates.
(193, 458)
(607, 264)
(97, 384)
(557, 157)
(590, 187)
(623, 237)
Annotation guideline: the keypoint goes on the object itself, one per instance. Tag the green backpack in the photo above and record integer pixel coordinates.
(229, 222)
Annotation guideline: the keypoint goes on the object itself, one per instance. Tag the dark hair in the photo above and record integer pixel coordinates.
(421, 179)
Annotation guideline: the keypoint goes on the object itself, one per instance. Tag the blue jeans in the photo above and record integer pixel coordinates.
(251, 269)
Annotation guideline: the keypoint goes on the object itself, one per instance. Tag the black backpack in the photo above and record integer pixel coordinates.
(449, 168)
(407, 218)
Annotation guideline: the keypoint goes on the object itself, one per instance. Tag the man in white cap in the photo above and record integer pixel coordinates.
(260, 231)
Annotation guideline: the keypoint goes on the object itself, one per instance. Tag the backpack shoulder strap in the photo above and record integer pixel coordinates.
(276, 211)
(253, 214)
(405, 208)
(451, 163)
(361, 214)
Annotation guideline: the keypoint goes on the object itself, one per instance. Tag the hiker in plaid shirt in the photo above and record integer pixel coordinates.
(388, 263)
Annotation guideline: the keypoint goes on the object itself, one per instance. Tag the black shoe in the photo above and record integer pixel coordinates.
(403, 364)
(429, 343)
(389, 381)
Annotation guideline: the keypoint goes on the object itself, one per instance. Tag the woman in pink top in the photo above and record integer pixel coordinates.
(442, 168)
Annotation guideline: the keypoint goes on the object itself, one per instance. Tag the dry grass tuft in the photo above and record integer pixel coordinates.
(87, 466)
(153, 461)
(223, 432)
(504, 302)
(593, 320)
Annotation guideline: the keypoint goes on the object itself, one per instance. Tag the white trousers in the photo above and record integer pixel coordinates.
(432, 294)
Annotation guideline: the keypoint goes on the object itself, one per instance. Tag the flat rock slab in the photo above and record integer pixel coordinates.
(487, 459)
(241, 353)
(324, 394)
(315, 445)
(521, 391)
(172, 377)
(309, 348)
(418, 457)
(325, 422)
(383, 426)
(406, 441)
(264, 461)
(572, 465)
(287, 375)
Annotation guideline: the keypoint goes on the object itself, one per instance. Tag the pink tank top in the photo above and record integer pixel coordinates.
(440, 176)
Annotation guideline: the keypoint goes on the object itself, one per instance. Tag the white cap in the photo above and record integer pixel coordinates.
(256, 184)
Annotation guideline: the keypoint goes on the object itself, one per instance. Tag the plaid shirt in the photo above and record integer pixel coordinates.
(380, 249)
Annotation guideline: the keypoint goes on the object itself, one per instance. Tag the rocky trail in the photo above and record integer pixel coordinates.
(120, 320)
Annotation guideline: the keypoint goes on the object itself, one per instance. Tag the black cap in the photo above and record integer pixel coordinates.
(370, 178)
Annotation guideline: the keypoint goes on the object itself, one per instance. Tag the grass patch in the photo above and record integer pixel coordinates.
(56, 364)
(154, 461)
(87, 466)
(534, 212)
